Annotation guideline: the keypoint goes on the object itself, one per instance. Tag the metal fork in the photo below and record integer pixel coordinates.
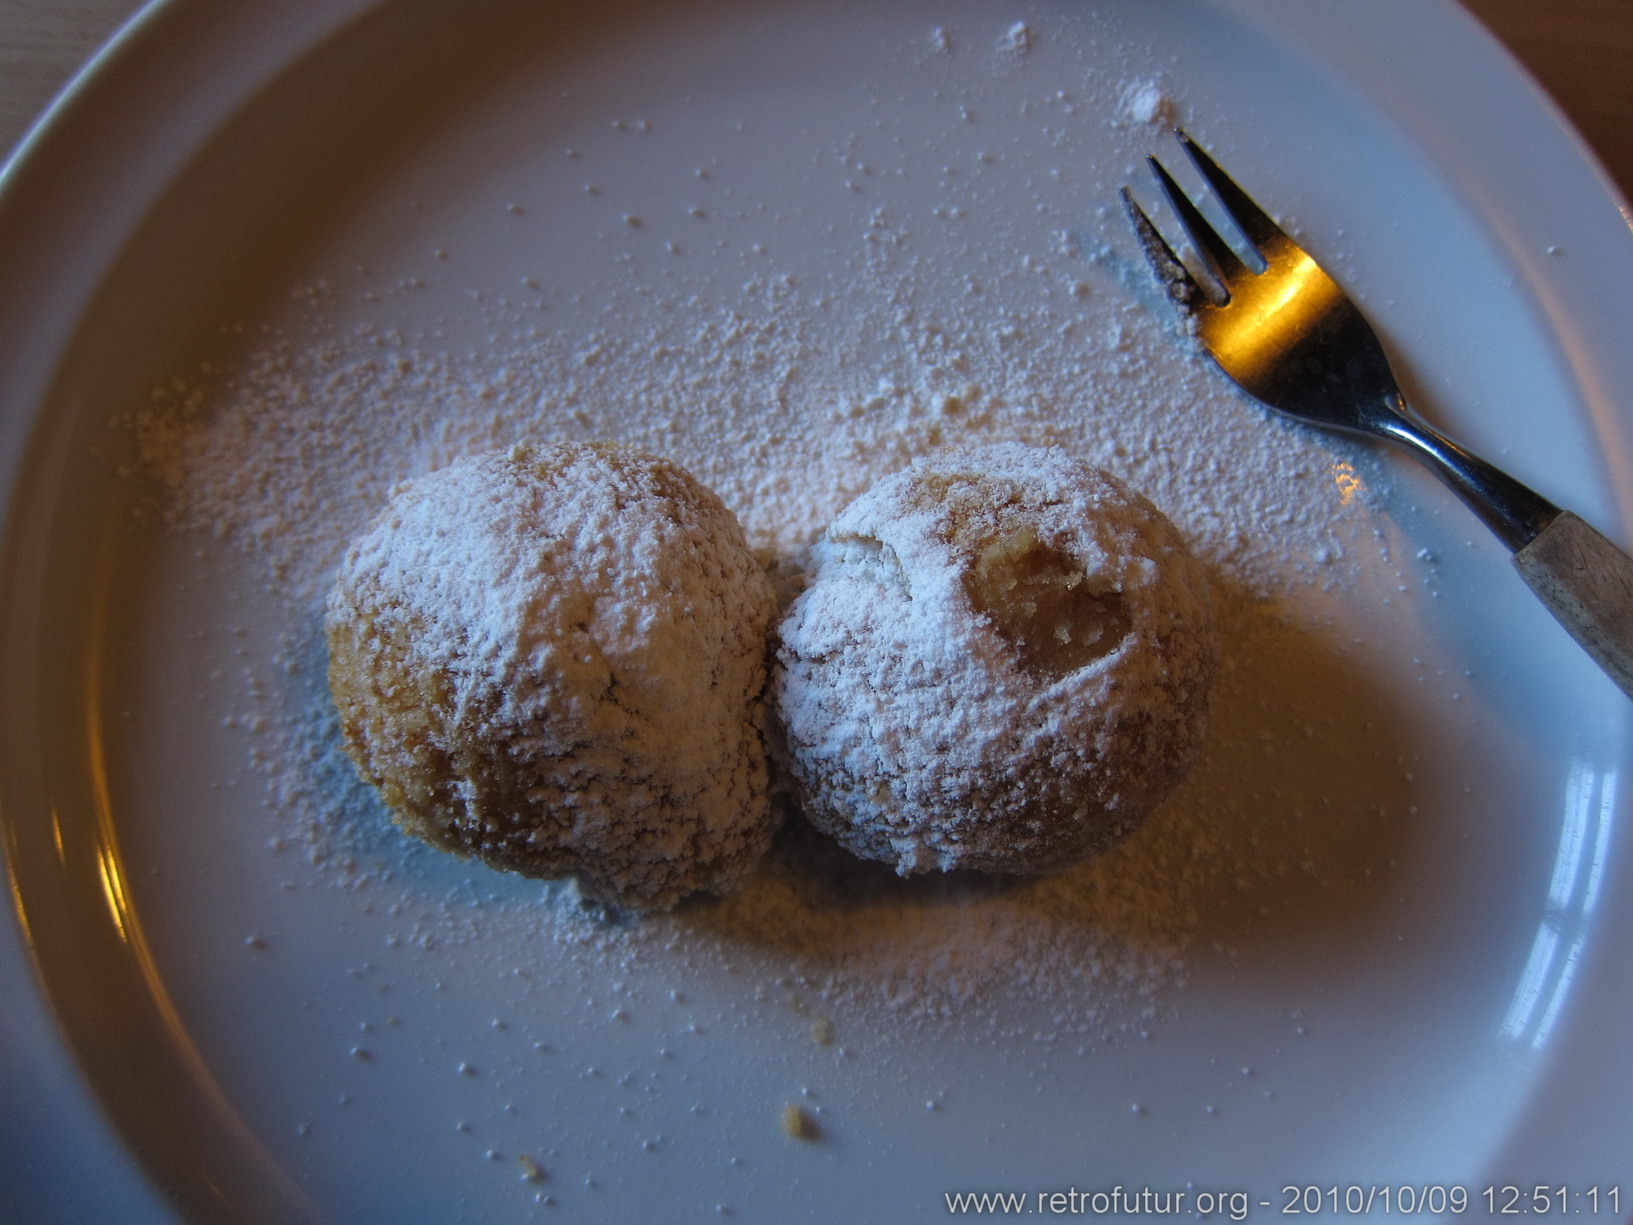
(1289, 337)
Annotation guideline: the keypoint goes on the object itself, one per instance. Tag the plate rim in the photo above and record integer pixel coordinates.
(139, 51)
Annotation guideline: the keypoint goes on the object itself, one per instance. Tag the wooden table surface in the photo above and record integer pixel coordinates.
(1580, 50)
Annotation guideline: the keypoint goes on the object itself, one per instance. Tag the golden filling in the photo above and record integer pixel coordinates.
(1038, 600)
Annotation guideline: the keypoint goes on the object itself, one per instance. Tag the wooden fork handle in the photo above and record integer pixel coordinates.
(1587, 583)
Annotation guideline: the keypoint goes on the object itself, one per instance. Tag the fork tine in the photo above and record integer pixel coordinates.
(1169, 271)
(1252, 220)
(1216, 254)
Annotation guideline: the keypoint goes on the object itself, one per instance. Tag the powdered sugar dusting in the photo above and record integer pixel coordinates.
(1001, 662)
(1147, 102)
(968, 290)
(553, 659)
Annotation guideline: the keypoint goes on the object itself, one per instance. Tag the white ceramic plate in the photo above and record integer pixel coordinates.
(200, 1025)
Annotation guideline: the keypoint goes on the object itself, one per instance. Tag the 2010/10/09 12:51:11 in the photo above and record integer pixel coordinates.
(1543, 1200)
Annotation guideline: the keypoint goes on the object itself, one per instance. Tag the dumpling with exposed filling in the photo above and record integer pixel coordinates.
(1001, 662)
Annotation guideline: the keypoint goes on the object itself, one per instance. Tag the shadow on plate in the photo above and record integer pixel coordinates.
(1288, 831)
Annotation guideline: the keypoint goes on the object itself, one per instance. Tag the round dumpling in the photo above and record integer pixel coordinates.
(1001, 662)
(553, 659)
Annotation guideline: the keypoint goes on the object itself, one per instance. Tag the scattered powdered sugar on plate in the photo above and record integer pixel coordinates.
(789, 397)
(1146, 102)
(1017, 39)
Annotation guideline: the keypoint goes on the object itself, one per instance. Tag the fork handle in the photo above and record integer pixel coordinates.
(1584, 580)
(1587, 583)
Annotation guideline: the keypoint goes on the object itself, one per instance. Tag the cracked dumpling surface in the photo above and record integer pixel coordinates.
(1001, 662)
(554, 659)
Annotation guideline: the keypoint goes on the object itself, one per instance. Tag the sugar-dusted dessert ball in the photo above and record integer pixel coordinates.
(553, 659)
(1001, 662)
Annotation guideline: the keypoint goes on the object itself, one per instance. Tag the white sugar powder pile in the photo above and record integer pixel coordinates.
(1145, 102)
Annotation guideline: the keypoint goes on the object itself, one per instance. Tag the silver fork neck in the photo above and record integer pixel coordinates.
(1515, 512)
